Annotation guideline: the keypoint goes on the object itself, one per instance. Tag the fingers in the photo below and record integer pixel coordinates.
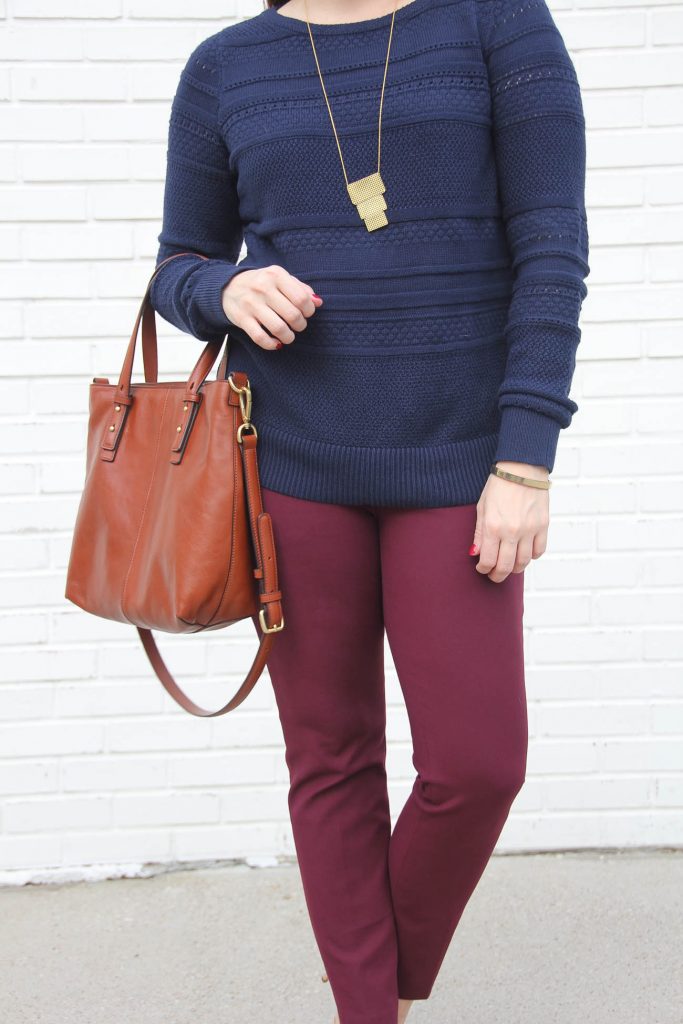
(540, 542)
(523, 555)
(497, 556)
(256, 331)
(501, 556)
(270, 304)
(283, 304)
(478, 529)
(291, 298)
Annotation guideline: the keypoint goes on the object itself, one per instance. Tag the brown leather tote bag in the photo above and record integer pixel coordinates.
(170, 532)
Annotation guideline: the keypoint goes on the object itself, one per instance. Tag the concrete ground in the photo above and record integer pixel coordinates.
(578, 938)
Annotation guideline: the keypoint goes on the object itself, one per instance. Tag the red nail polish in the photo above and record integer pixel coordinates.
(280, 344)
(317, 296)
(473, 550)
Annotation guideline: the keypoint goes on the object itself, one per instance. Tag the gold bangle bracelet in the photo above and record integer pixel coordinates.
(544, 485)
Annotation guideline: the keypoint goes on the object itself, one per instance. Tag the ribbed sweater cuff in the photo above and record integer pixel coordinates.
(207, 292)
(527, 436)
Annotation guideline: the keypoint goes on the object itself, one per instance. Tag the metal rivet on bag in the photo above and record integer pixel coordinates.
(185, 408)
(112, 427)
(179, 428)
(118, 408)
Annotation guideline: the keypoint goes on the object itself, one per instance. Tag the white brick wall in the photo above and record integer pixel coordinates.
(99, 771)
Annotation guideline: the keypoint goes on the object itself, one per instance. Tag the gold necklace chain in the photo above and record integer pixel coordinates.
(367, 194)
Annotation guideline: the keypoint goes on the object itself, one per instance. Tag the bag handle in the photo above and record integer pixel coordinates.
(149, 331)
(123, 396)
(147, 314)
(271, 617)
(149, 334)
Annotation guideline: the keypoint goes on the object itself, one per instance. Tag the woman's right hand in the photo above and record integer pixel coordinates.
(270, 298)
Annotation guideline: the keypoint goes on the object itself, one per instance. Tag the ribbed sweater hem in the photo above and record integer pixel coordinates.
(415, 476)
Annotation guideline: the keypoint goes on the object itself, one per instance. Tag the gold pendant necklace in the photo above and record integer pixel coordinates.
(367, 194)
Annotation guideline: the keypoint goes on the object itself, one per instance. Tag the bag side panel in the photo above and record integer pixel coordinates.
(110, 510)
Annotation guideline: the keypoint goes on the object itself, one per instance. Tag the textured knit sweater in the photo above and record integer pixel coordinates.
(447, 339)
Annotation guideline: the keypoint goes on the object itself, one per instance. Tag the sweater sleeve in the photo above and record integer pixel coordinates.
(200, 208)
(539, 141)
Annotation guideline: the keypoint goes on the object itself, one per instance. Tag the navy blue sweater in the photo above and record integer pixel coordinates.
(447, 339)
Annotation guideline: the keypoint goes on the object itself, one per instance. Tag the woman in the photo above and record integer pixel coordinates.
(409, 179)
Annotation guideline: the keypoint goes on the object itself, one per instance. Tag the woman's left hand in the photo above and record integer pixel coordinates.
(512, 522)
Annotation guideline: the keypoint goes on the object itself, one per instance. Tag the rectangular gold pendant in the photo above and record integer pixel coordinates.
(366, 195)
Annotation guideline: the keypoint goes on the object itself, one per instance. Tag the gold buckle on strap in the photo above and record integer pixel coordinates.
(270, 629)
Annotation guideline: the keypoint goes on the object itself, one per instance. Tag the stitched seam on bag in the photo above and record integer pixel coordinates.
(149, 491)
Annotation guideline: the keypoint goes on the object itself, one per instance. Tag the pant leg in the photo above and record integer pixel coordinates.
(456, 641)
(327, 671)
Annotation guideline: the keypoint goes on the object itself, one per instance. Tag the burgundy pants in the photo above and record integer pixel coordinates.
(384, 905)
